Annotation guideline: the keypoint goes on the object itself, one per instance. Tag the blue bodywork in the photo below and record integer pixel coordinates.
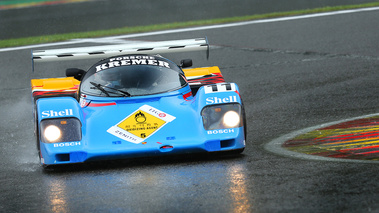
(172, 122)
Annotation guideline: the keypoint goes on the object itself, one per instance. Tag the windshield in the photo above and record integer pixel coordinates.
(132, 75)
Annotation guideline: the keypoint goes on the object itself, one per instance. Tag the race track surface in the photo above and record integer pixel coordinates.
(293, 75)
(67, 16)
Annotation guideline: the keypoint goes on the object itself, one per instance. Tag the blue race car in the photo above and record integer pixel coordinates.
(135, 105)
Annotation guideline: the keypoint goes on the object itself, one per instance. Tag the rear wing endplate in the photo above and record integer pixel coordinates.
(119, 49)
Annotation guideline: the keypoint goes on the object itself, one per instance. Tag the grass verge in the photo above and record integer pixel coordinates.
(176, 25)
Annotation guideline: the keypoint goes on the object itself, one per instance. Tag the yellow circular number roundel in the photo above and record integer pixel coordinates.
(141, 124)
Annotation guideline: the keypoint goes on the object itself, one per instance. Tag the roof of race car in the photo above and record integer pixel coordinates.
(134, 74)
(133, 59)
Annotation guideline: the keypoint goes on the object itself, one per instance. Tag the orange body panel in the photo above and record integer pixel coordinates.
(69, 85)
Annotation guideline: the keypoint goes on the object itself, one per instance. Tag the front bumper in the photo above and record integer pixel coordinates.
(78, 152)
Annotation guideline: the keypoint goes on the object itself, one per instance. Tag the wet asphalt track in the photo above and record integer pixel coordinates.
(292, 75)
(109, 14)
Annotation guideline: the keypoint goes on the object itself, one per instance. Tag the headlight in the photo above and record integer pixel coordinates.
(223, 116)
(52, 133)
(231, 119)
(60, 130)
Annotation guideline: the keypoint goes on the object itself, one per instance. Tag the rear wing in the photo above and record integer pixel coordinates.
(119, 49)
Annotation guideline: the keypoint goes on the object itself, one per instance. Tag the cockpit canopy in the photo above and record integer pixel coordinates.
(134, 75)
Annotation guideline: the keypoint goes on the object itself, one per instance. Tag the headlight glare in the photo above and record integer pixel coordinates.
(52, 133)
(231, 119)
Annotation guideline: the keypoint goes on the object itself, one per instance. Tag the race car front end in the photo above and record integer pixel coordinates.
(157, 126)
(135, 104)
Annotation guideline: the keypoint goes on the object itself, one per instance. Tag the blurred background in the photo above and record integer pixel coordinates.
(25, 18)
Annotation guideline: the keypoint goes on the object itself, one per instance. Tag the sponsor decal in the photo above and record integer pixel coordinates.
(132, 60)
(67, 144)
(216, 100)
(141, 124)
(220, 131)
(52, 113)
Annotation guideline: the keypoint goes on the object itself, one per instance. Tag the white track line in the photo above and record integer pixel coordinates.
(78, 41)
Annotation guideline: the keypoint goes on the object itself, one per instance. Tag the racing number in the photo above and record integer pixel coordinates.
(141, 124)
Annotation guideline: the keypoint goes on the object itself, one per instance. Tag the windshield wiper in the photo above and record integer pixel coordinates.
(101, 88)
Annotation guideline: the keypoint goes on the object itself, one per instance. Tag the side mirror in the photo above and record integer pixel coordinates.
(186, 63)
(76, 73)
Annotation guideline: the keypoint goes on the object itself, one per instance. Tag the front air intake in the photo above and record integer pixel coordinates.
(62, 157)
(228, 143)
